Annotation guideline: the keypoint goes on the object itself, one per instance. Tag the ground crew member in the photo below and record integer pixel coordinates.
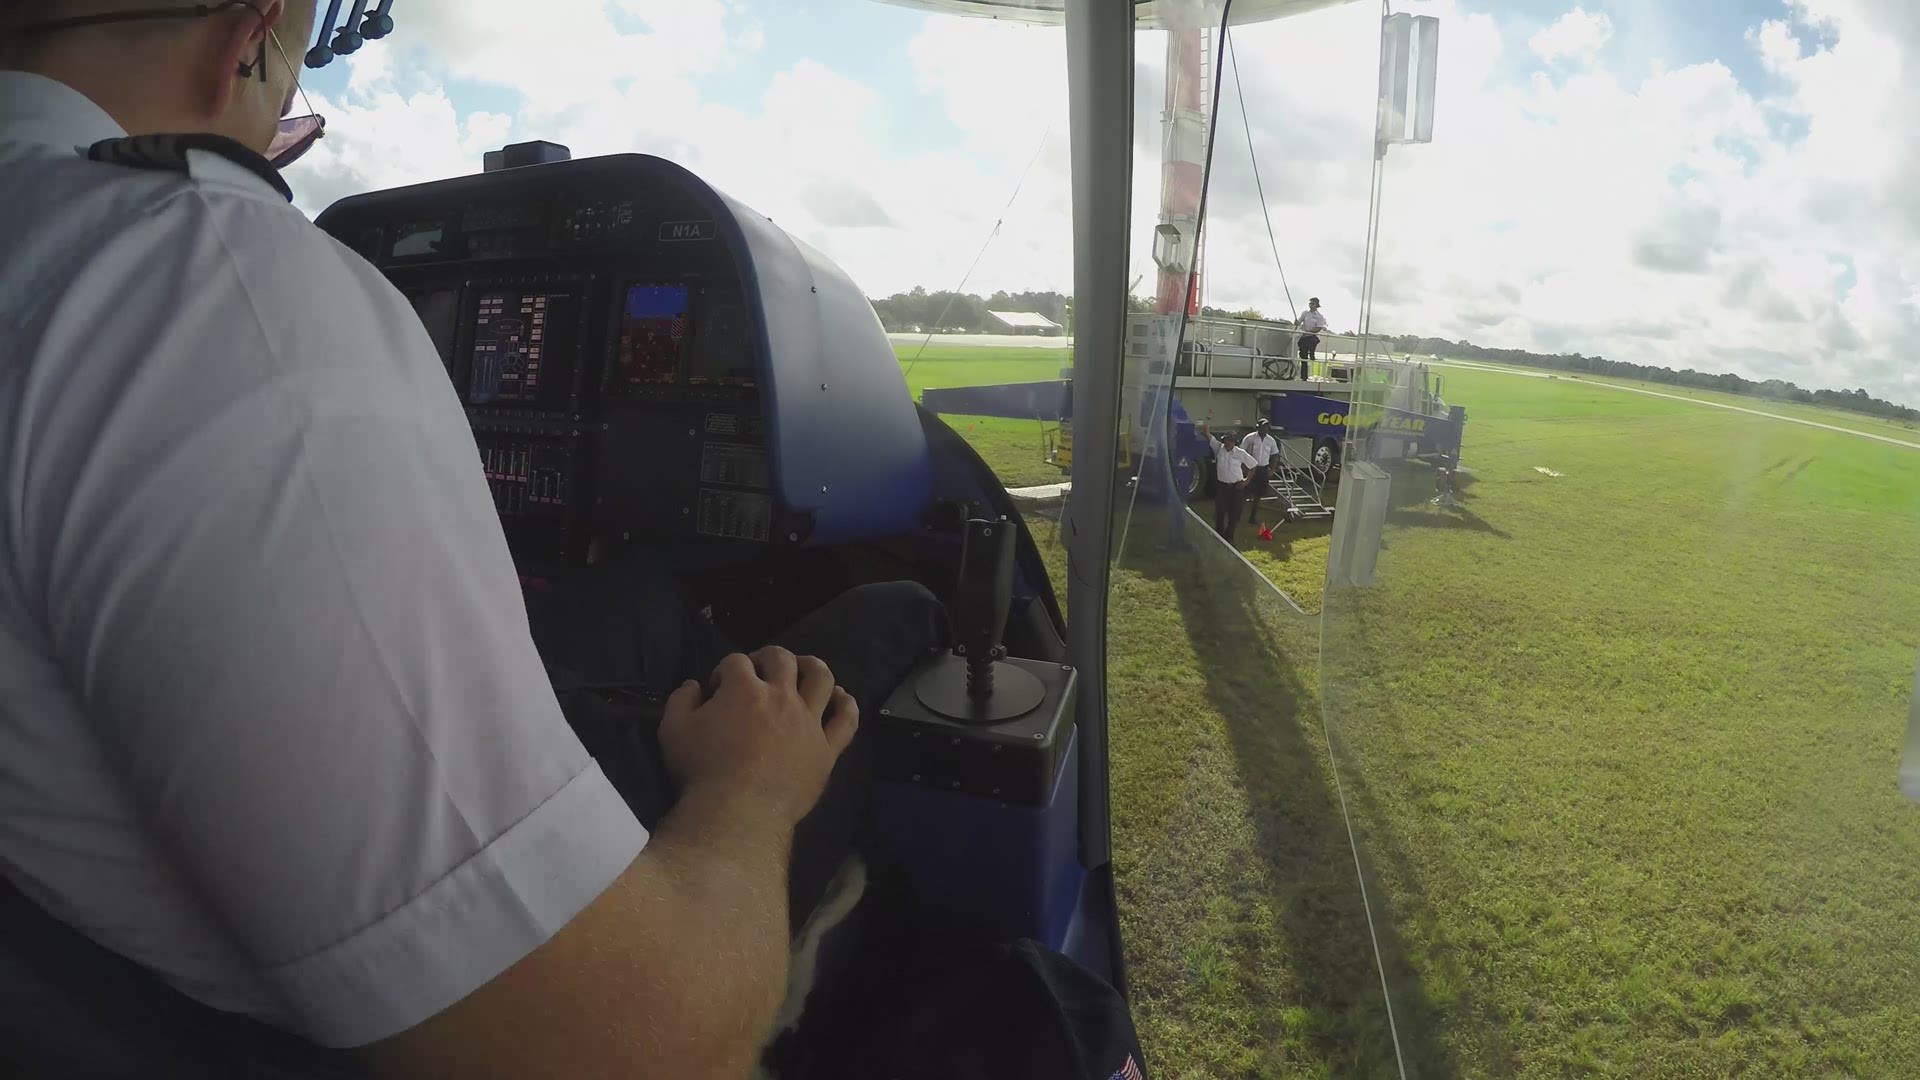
(1232, 466)
(1261, 446)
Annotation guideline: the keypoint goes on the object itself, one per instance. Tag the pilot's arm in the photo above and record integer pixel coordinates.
(267, 562)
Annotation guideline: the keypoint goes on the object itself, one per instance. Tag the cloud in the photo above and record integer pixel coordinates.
(1682, 242)
(1669, 219)
(1579, 34)
(1677, 217)
(838, 204)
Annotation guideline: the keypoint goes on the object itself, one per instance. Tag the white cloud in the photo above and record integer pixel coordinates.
(1578, 34)
(1680, 218)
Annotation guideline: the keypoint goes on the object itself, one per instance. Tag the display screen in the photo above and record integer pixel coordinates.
(720, 353)
(653, 337)
(419, 238)
(440, 313)
(515, 351)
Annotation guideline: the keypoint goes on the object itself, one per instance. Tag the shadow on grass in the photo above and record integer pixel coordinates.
(1410, 501)
(1438, 518)
(1259, 663)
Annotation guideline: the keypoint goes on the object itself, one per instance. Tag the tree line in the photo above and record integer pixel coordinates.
(1857, 400)
(920, 311)
(946, 311)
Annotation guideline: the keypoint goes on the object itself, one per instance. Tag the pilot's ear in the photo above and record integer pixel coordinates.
(236, 46)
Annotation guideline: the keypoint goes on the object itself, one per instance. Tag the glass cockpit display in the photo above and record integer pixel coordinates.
(653, 336)
(519, 343)
(679, 334)
(720, 353)
(439, 312)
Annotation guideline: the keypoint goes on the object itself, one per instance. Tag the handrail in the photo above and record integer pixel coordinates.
(1310, 479)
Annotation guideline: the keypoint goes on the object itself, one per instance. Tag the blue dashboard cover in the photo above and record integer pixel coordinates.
(846, 440)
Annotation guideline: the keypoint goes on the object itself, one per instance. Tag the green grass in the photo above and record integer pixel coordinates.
(1852, 421)
(1620, 745)
(1626, 740)
(1014, 448)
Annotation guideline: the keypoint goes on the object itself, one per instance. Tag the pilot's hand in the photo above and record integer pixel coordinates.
(769, 732)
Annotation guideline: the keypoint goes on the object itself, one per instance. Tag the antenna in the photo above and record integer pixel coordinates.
(348, 40)
(320, 55)
(338, 37)
(379, 24)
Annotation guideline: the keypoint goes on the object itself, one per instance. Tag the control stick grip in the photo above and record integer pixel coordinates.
(982, 600)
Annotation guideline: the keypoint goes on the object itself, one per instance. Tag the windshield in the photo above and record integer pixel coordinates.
(1585, 754)
(1553, 724)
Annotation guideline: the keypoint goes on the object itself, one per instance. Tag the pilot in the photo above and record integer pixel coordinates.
(272, 723)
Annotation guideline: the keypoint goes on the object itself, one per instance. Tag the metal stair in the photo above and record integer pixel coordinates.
(1303, 502)
(1298, 487)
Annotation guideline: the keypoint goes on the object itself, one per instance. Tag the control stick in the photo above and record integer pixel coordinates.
(973, 685)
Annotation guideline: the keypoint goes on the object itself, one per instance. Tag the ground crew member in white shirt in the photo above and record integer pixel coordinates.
(271, 721)
(1312, 325)
(1231, 468)
(1261, 446)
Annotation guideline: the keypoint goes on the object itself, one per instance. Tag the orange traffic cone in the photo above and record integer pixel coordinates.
(1266, 532)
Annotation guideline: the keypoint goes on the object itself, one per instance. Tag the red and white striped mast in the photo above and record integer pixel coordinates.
(1190, 25)
(1183, 171)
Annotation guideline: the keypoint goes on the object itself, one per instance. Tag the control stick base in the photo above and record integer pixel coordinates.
(942, 687)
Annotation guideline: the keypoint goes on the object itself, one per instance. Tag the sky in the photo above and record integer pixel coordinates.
(1718, 185)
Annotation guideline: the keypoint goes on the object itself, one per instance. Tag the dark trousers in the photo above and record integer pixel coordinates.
(1257, 489)
(627, 625)
(1226, 508)
(1308, 343)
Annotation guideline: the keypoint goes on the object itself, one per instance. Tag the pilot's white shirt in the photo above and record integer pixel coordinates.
(1312, 322)
(271, 722)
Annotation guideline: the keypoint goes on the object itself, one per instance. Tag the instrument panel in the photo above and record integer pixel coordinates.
(645, 361)
(640, 363)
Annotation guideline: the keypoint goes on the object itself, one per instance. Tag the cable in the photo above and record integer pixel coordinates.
(1240, 92)
(995, 231)
(1370, 276)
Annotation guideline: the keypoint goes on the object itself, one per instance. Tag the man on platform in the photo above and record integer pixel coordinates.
(1312, 324)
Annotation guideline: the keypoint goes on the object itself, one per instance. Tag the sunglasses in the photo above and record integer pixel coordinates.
(296, 135)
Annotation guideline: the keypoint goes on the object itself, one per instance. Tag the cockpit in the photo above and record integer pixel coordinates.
(650, 366)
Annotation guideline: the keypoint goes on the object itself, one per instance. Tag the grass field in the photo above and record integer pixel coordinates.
(1820, 414)
(1628, 736)
(1012, 447)
(1620, 743)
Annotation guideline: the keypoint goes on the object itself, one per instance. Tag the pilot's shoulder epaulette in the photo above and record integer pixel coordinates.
(169, 153)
